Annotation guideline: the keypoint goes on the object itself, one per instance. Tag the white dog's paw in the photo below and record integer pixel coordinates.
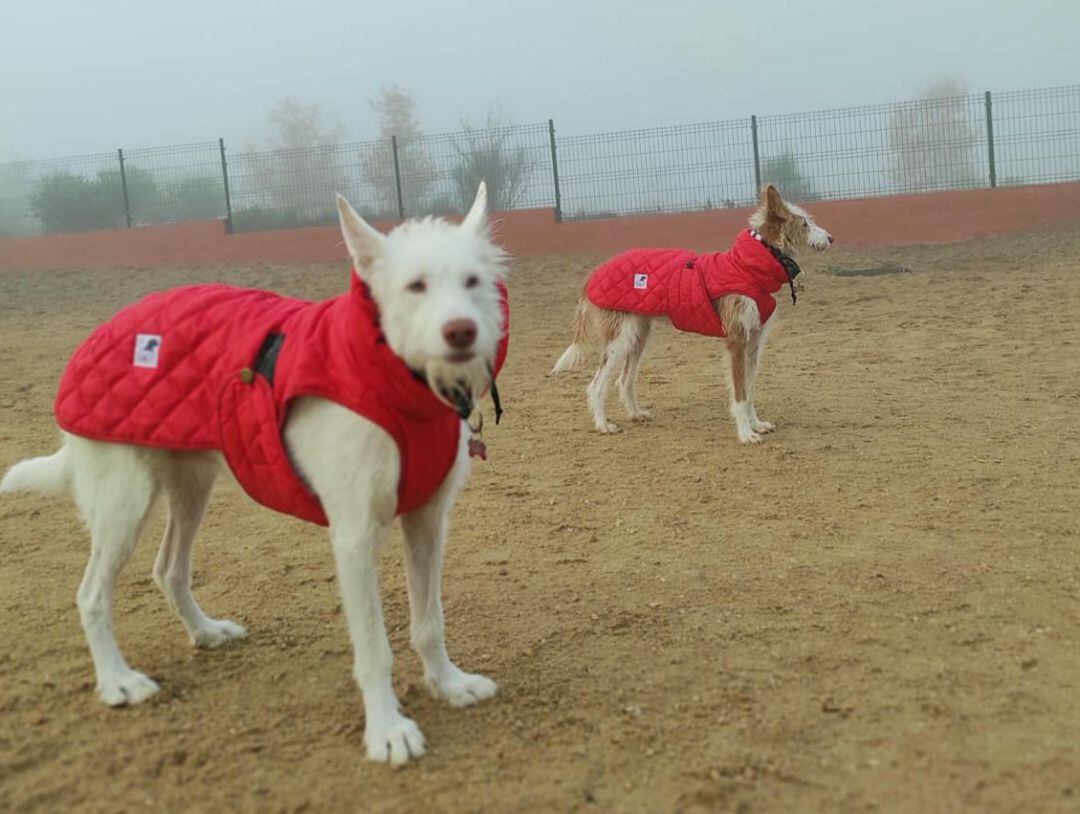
(762, 426)
(461, 689)
(396, 742)
(749, 437)
(607, 428)
(217, 633)
(642, 415)
(127, 689)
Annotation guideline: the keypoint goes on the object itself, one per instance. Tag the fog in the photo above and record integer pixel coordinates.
(79, 77)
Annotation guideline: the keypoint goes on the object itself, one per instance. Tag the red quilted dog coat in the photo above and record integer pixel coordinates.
(683, 285)
(214, 367)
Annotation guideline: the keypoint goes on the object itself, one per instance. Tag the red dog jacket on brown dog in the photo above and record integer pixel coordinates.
(683, 285)
(214, 367)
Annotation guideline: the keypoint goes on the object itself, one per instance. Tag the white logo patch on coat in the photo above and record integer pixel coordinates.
(641, 281)
(147, 348)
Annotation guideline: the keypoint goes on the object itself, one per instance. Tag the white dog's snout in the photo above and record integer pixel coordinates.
(460, 334)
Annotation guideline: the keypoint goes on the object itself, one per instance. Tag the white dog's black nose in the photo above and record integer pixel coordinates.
(459, 333)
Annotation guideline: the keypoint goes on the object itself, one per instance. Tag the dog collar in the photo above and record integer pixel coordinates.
(791, 268)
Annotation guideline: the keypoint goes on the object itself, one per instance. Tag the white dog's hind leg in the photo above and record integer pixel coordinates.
(353, 467)
(425, 538)
(114, 489)
(188, 479)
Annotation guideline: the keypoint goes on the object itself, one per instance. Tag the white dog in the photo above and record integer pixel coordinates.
(437, 289)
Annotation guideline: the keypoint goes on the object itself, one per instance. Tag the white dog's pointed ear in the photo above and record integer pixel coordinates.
(476, 220)
(363, 241)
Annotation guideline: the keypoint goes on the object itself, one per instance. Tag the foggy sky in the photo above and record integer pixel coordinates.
(80, 77)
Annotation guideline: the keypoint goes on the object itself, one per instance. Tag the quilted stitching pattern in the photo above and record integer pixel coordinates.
(658, 282)
(206, 332)
(251, 441)
(683, 285)
(195, 397)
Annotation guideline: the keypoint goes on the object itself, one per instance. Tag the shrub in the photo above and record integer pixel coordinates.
(65, 202)
(488, 155)
(784, 172)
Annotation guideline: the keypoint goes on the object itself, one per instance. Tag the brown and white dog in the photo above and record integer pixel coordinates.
(735, 288)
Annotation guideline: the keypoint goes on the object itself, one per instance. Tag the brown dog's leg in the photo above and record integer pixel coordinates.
(628, 377)
(737, 348)
(753, 364)
(597, 389)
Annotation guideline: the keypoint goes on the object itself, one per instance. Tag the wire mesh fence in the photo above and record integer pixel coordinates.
(864, 152)
(1037, 135)
(74, 194)
(440, 173)
(962, 142)
(170, 184)
(664, 169)
(277, 189)
(391, 178)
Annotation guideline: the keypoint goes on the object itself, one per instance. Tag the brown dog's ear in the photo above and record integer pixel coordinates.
(774, 204)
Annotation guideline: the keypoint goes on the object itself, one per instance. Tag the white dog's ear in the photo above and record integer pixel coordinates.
(363, 241)
(476, 220)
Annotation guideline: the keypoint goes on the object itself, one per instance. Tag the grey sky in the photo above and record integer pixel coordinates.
(78, 77)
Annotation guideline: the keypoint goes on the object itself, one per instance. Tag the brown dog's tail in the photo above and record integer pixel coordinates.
(573, 355)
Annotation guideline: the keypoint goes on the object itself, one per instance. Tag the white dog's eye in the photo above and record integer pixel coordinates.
(472, 281)
(417, 287)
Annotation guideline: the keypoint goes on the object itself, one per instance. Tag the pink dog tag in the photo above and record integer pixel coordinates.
(477, 449)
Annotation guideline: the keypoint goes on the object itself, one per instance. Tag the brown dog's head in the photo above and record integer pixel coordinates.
(786, 226)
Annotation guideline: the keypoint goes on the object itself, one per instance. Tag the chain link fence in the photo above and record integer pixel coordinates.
(962, 142)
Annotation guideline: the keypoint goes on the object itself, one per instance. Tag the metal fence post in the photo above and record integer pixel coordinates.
(990, 141)
(757, 157)
(397, 179)
(555, 171)
(123, 186)
(225, 181)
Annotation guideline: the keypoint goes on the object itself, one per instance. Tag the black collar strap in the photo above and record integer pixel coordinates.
(495, 396)
(791, 268)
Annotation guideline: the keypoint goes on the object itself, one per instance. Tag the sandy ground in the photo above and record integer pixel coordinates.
(878, 609)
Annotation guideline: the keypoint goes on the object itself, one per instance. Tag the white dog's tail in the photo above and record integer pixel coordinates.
(573, 355)
(49, 475)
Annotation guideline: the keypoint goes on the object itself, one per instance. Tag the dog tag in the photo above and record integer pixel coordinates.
(477, 449)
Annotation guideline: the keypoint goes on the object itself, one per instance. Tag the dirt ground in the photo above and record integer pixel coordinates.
(878, 609)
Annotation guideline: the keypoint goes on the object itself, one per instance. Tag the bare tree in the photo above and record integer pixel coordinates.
(396, 112)
(298, 176)
(932, 141)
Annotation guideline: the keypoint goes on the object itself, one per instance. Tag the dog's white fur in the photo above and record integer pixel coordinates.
(349, 462)
(625, 335)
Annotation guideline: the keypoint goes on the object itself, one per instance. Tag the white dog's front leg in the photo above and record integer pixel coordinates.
(425, 538)
(353, 467)
(388, 735)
